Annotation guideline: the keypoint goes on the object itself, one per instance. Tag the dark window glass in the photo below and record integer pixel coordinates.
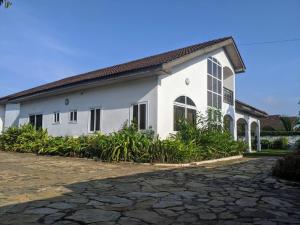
(215, 85)
(75, 116)
(215, 72)
(135, 114)
(191, 116)
(178, 115)
(215, 104)
(72, 116)
(57, 117)
(209, 82)
(219, 87)
(92, 124)
(209, 98)
(189, 101)
(97, 119)
(32, 120)
(180, 99)
(209, 67)
(39, 121)
(142, 116)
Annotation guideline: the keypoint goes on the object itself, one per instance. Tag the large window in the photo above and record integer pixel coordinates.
(36, 121)
(140, 115)
(184, 109)
(95, 114)
(214, 83)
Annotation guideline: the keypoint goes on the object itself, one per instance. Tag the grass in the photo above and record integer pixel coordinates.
(269, 152)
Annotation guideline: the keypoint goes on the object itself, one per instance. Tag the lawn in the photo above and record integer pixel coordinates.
(269, 152)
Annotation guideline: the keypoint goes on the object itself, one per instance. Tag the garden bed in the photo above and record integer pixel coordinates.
(190, 144)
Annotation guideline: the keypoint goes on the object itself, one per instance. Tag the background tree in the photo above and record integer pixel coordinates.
(5, 3)
(287, 123)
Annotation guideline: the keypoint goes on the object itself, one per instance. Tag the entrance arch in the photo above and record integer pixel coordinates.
(228, 124)
(242, 129)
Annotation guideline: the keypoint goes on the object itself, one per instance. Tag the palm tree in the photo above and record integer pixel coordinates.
(287, 123)
(6, 3)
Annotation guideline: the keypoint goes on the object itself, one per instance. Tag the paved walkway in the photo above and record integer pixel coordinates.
(59, 191)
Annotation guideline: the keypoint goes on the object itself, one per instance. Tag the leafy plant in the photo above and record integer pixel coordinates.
(192, 142)
(288, 167)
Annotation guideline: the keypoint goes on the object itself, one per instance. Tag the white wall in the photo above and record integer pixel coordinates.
(172, 86)
(114, 100)
(2, 114)
(12, 112)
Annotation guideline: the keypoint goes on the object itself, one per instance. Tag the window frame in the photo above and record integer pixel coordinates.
(55, 121)
(73, 111)
(216, 79)
(185, 106)
(90, 118)
(146, 116)
(35, 119)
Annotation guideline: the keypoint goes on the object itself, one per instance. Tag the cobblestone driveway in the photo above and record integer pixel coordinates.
(54, 190)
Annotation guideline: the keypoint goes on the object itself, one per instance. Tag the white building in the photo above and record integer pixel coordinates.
(155, 91)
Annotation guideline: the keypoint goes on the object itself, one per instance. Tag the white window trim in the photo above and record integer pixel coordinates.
(89, 121)
(73, 121)
(147, 114)
(211, 91)
(185, 106)
(54, 115)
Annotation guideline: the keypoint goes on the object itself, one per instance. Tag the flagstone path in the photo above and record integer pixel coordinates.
(59, 191)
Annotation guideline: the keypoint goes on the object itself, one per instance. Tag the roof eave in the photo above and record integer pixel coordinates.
(101, 81)
(239, 67)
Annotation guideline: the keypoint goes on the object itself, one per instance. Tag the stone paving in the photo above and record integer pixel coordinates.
(60, 191)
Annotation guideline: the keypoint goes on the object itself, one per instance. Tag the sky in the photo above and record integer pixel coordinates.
(45, 40)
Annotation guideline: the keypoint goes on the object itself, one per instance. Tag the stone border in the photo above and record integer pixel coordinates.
(195, 163)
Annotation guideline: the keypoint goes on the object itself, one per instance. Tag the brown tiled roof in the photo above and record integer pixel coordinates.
(273, 122)
(151, 62)
(248, 109)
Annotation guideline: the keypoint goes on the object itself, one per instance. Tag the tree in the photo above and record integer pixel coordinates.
(287, 123)
(5, 3)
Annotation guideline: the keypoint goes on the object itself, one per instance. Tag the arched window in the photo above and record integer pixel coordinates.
(184, 108)
(214, 83)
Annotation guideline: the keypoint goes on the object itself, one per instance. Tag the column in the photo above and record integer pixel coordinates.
(258, 136)
(248, 135)
(234, 124)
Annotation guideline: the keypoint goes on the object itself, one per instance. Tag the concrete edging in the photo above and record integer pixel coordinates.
(196, 163)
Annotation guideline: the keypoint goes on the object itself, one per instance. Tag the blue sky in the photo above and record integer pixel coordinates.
(42, 41)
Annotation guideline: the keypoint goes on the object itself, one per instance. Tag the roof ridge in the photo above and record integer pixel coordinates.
(148, 61)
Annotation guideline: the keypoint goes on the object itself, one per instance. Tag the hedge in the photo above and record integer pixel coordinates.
(279, 133)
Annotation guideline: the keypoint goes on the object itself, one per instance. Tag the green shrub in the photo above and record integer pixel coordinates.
(23, 139)
(279, 133)
(298, 144)
(280, 143)
(288, 167)
(265, 144)
(190, 143)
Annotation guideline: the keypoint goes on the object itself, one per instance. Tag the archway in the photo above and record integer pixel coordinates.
(228, 124)
(255, 136)
(242, 129)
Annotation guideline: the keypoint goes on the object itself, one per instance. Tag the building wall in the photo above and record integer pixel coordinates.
(172, 86)
(11, 117)
(2, 113)
(114, 100)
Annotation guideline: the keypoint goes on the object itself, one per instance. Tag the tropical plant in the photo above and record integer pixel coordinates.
(5, 3)
(192, 142)
(287, 123)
